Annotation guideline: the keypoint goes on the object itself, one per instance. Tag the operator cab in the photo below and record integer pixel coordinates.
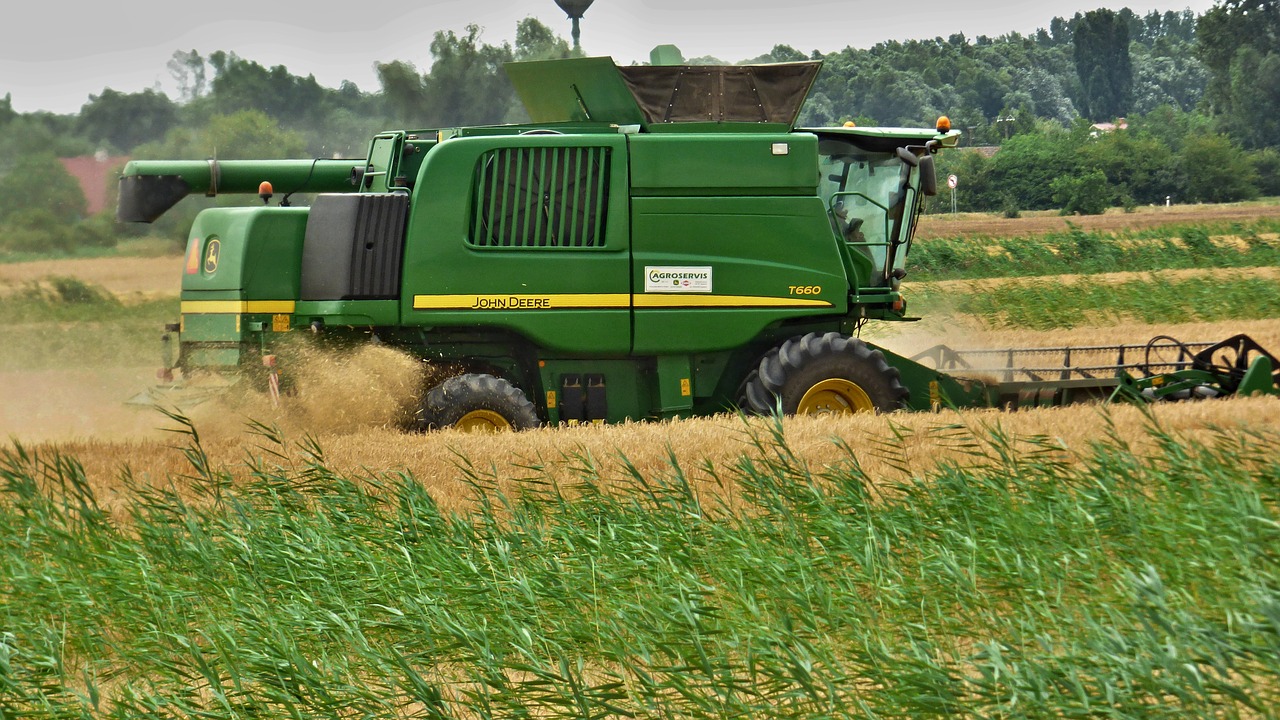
(873, 181)
(865, 194)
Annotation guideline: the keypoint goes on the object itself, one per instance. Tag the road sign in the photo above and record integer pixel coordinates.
(952, 181)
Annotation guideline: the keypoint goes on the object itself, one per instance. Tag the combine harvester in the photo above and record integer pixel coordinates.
(657, 242)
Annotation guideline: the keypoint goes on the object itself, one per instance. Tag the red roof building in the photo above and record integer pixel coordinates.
(95, 173)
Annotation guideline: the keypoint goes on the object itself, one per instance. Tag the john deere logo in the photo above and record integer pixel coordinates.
(211, 252)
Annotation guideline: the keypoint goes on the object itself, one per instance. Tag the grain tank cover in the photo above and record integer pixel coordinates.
(660, 96)
(721, 93)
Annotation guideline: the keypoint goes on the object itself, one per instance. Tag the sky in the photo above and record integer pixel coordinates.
(54, 55)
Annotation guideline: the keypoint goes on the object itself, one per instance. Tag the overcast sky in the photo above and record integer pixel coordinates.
(53, 55)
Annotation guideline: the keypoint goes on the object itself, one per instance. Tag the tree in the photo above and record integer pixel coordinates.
(127, 120)
(1216, 170)
(40, 181)
(1137, 168)
(403, 93)
(976, 190)
(189, 70)
(1171, 126)
(1043, 92)
(241, 84)
(466, 83)
(1254, 115)
(1239, 42)
(6, 109)
(1027, 165)
(1101, 52)
(1266, 163)
(1176, 78)
(244, 135)
(1087, 193)
(779, 54)
(536, 41)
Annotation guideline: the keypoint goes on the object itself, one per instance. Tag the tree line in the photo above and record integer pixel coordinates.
(1200, 94)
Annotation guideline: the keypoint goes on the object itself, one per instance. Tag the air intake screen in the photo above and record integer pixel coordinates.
(544, 197)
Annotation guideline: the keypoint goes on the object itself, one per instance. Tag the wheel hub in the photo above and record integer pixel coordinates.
(483, 421)
(835, 396)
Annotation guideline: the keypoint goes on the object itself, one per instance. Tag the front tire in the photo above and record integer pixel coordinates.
(478, 403)
(824, 374)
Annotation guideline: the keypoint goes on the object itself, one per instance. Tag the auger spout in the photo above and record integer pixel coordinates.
(148, 188)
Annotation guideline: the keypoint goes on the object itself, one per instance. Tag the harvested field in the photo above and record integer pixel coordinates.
(127, 277)
(967, 333)
(1042, 222)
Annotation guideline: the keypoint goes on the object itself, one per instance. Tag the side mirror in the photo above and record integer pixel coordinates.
(908, 157)
(928, 176)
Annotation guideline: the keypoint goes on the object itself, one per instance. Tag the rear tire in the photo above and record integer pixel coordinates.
(478, 403)
(823, 374)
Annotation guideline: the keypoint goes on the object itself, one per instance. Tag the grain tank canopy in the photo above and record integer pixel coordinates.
(663, 97)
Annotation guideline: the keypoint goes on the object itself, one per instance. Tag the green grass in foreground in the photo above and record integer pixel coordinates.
(1077, 251)
(1219, 296)
(1123, 585)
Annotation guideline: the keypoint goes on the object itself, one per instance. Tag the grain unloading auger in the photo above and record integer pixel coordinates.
(658, 241)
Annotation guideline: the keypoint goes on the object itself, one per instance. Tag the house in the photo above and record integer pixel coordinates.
(1097, 129)
(95, 173)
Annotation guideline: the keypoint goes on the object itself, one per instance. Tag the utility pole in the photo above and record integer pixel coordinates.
(575, 9)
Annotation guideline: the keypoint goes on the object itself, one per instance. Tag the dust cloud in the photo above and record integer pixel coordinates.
(325, 392)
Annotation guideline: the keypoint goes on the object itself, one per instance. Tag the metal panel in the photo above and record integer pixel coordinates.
(574, 90)
(353, 247)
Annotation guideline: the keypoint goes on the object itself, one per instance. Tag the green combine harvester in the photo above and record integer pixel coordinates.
(658, 242)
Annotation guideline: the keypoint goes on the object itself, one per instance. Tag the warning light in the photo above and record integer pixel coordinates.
(944, 124)
(265, 192)
(193, 256)
(850, 123)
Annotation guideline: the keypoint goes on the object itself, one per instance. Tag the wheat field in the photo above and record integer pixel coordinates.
(353, 405)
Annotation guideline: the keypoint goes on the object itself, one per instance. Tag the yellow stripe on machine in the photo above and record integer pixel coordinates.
(236, 307)
(612, 300)
(521, 302)
(682, 300)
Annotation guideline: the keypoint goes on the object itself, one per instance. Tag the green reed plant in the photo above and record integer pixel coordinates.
(1079, 251)
(1043, 305)
(1024, 578)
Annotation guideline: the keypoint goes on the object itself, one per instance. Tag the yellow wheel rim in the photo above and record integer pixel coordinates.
(835, 396)
(482, 421)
